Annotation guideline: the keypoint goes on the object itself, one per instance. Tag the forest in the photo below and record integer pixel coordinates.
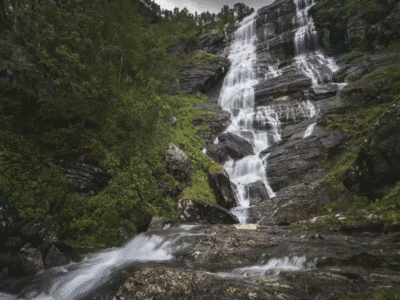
(93, 79)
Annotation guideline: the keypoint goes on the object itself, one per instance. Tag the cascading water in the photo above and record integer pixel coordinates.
(237, 96)
(261, 126)
(308, 58)
(77, 279)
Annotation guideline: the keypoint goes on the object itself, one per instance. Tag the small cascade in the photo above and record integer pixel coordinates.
(308, 58)
(272, 268)
(310, 130)
(78, 279)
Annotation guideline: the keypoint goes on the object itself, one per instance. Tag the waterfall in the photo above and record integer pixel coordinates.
(309, 58)
(237, 96)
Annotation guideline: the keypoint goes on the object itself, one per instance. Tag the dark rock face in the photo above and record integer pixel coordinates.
(178, 164)
(202, 80)
(257, 192)
(230, 145)
(378, 163)
(84, 174)
(292, 203)
(55, 258)
(296, 159)
(222, 187)
(212, 43)
(205, 213)
(216, 119)
(290, 82)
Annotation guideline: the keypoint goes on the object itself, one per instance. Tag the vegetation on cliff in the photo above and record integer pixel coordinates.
(93, 78)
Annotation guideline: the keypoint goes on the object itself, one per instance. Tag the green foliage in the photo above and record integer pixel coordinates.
(26, 177)
(202, 60)
(199, 189)
(383, 294)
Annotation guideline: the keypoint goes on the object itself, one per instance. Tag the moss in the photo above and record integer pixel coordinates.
(394, 47)
(383, 294)
(214, 167)
(199, 189)
(169, 180)
(202, 60)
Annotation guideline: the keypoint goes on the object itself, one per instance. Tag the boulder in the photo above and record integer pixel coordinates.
(230, 146)
(256, 192)
(85, 174)
(55, 258)
(377, 166)
(222, 187)
(178, 164)
(29, 261)
(156, 224)
(201, 212)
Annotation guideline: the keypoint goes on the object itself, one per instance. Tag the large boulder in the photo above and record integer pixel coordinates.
(222, 187)
(196, 211)
(377, 166)
(178, 164)
(230, 146)
(256, 192)
(29, 261)
(55, 258)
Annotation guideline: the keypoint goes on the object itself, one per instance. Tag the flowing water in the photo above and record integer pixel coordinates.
(261, 126)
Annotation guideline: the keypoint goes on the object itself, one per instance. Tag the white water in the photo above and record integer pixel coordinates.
(308, 58)
(310, 130)
(260, 126)
(272, 268)
(77, 279)
(237, 93)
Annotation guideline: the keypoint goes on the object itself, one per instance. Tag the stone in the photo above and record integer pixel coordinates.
(201, 212)
(55, 258)
(256, 192)
(156, 224)
(230, 146)
(85, 174)
(29, 261)
(202, 80)
(178, 164)
(377, 166)
(222, 187)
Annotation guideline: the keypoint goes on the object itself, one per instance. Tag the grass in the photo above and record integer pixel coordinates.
(202, 60)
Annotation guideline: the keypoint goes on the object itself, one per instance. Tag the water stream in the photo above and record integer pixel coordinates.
(261, 126)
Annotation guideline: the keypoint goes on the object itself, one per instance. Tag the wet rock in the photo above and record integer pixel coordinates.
(222, 187)
(204, 213)
(293, 203)
(178, 164)
(288, 83)
(29, 261)
(156, 224)
(378, 163)
(230, 146)
(55, 258)
(256, 192)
